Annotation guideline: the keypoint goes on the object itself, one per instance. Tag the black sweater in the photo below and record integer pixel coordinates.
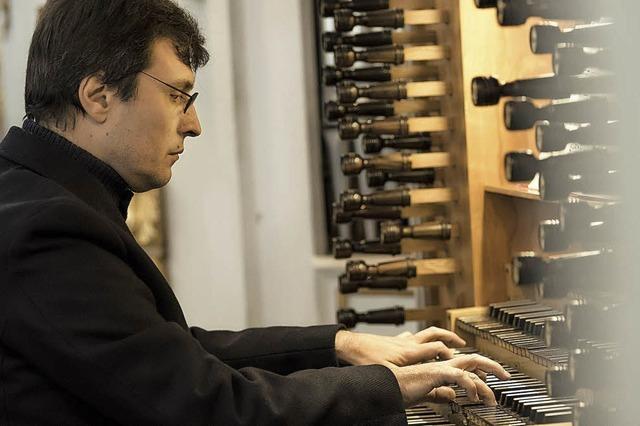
(91, 332)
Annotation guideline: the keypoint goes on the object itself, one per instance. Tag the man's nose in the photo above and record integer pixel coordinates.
(191, 123)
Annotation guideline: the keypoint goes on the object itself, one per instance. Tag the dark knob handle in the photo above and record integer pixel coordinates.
(347, 286)
(559, 382)
(519, 115)
(512, 12)
(345, 19)
(520, 166)
(373, 144)
(344, 56)
(328, 7)
(485, 91)
(543, 38)
(357, 270)
(342, 249)
(527, 269)
(484, 4)
(347, 317)
(384, 316)
(551, 236)
(551, 136)
(351, 200)
(390, 232)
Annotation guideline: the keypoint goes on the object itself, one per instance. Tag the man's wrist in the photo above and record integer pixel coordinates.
(343, 346)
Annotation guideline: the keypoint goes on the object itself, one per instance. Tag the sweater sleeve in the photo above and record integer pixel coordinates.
(77, 312)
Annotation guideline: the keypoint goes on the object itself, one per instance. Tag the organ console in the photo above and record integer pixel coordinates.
(506, 142)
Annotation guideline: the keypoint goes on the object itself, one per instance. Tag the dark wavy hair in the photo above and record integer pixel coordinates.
(74, 39)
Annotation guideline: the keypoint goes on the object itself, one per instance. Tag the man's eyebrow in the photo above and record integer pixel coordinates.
(184, 84)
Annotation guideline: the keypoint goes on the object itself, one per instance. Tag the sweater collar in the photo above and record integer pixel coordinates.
(53, 156)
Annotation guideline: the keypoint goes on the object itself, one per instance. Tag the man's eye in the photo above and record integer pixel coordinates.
(179, 98)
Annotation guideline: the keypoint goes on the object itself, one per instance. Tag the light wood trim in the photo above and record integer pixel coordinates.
(428, 124)
(454, 314)
(430, 159)
(412, 106)
(411, 4)
(413, 71)
(431, 195)
(425, 89)
(414, 37)
(429, 281)
(445, 265)
(429, 210)
(430, 313)
(425, 53)
(414, 245)
(425, 17)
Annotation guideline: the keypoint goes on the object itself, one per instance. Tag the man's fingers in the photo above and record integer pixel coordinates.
(481, 374)
(432, 334)
(484, 392)
(441, 394)
(478, 362)
(463, 379)
(433, 350)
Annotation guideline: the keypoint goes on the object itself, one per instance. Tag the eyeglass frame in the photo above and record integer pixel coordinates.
(192, 97)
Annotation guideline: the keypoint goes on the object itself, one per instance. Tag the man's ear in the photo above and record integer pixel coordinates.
(96, 98)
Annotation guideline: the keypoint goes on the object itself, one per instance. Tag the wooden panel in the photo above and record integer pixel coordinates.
(502, 52)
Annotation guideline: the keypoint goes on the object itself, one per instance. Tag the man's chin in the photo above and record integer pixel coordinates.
(153, 182)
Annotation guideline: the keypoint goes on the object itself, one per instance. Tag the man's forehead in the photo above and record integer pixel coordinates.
(165, 63)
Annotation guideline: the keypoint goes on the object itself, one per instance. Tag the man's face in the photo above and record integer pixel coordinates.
(148, 131)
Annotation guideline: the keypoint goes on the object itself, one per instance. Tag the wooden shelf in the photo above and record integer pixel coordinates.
(515, 190)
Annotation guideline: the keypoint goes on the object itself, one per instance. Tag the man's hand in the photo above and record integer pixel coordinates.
(428, 382)
(401, 350)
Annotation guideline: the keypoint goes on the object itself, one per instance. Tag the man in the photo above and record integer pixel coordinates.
(90, 331)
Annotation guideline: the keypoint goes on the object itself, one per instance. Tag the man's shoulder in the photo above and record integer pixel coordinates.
(23, 191)
(31, 201)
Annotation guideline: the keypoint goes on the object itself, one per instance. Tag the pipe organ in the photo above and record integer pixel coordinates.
(477, 161)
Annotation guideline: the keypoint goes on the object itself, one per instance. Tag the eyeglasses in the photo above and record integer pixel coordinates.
(191, 98)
